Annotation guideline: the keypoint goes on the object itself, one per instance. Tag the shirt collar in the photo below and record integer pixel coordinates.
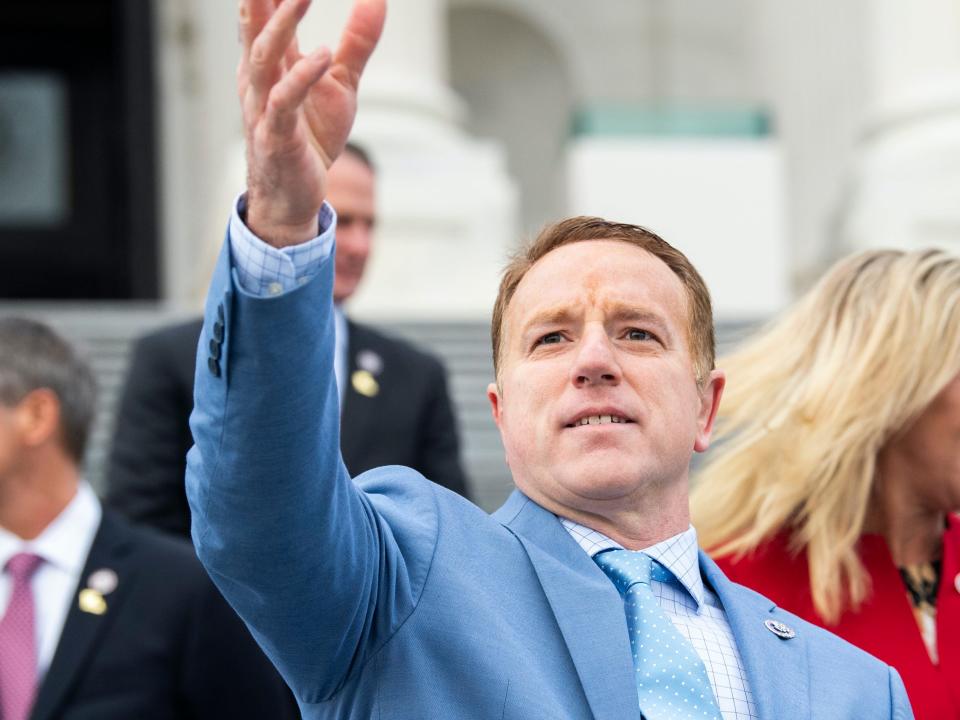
(66, 541)
(679, 554)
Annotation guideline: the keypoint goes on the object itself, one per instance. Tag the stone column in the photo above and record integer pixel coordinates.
(906, 184)
(447, 207)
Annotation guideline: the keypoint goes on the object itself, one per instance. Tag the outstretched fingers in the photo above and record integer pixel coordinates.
(264, 56)
(293, 54)
(288, 95)
(254, 14)
(360, 37)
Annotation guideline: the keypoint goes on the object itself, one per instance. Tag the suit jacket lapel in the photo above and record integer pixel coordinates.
(587, 607)
(777, 669)
(81, 630)
(358, 411)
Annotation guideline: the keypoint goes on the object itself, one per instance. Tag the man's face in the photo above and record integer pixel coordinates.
(350, 190)
(9, 440)
(598, 402)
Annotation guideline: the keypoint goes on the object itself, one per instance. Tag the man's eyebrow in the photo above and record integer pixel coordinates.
(643, 316)
(549, 316)
(636, 314)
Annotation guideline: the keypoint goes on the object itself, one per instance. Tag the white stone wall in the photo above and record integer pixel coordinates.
(198, 126)
(719, 201)
(863, 95)
(904, 186)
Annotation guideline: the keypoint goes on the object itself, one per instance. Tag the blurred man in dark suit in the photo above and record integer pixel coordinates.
(396, 409)
(99, 619)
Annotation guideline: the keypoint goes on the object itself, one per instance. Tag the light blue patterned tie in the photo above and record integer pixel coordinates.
(672, 682)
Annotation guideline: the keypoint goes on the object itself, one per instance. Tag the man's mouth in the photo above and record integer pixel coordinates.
(599, 420)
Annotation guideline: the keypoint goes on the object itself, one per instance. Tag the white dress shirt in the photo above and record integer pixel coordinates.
(695, 611)
(266, 271)
(64, 546)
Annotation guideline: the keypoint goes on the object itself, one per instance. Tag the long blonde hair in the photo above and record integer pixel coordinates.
(812, 399)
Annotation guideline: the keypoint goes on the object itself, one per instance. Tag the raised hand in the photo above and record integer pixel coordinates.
(297, 111)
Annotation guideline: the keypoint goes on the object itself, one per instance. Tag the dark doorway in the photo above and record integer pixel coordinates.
(78, 198)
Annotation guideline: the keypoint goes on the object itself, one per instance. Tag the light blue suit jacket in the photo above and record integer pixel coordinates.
(394, 598)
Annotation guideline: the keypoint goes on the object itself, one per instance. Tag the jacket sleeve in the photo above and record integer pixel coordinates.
(322, 572)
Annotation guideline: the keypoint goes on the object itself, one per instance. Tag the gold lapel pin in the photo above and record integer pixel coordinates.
(365, 383)
(91, 601)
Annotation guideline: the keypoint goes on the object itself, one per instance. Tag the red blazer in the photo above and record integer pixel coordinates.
(884, 626)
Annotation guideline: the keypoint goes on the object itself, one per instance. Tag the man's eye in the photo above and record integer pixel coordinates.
(550, 339)
(637, 334)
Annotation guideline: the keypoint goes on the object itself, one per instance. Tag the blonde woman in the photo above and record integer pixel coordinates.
(834, 485)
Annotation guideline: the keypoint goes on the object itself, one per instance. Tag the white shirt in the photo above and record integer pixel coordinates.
(341, 341)
(695, 611)
(64, 546)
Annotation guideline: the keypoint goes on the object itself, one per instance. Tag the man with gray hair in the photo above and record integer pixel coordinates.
(99, 618)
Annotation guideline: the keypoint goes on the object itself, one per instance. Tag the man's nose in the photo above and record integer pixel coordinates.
(596, 360)
(353, 238)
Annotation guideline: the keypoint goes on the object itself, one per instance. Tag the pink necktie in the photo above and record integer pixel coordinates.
(18, 642)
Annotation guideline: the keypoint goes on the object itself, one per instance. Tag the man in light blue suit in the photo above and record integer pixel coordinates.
(387, 596)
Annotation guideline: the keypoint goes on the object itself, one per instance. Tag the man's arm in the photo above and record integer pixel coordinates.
(321, 572)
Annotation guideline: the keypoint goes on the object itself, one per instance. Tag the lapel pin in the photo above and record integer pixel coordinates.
(364, 383)
(781, 630)
(92, 602)
(956, 582)
(370, 361)
(104, 581)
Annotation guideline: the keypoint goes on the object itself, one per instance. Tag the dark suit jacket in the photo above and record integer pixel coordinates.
(168, 645)
(409, 421)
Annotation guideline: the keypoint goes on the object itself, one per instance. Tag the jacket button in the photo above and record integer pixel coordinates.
(214, 349)
(214, 366)
(218, 331)
(220, 312)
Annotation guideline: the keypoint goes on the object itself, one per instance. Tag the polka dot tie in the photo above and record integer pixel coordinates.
(672, 681)
(18, 643)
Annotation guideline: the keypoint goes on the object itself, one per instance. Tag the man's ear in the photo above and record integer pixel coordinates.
(38, 417)
(496, 404)
(710, 395)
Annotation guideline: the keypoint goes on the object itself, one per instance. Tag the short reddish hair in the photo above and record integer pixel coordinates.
(700, 332)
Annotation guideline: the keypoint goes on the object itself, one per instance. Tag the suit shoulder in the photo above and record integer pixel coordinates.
(823, 643)
(396, 349)
(175, 335)
(169, 351)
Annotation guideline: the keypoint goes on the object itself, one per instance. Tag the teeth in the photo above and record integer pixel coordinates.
(600, 420)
